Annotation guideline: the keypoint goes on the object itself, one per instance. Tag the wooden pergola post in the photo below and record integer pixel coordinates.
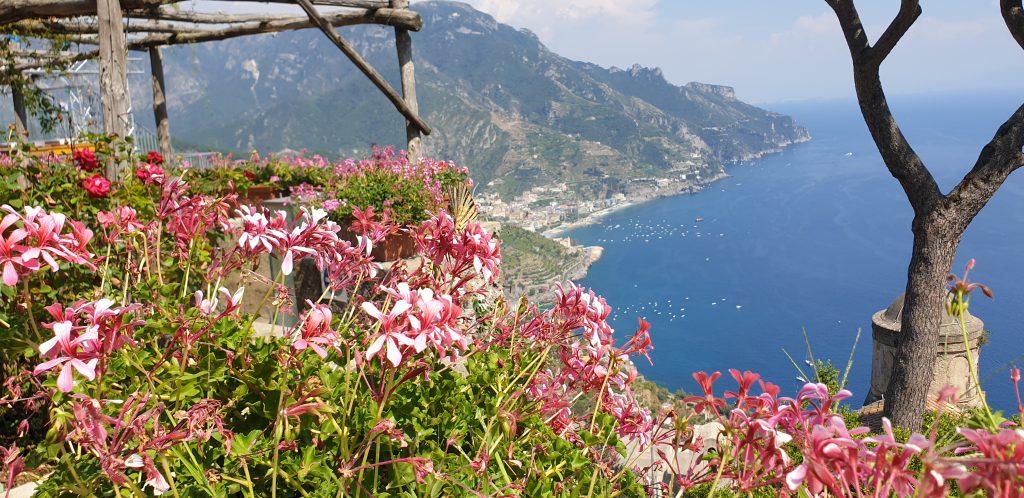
(113, 67)
(163, 126)
(403, 42)
(20, 116)
(123, 25)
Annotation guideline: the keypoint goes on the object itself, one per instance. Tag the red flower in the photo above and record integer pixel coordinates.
(154, 157)
(249, 175)
(85, 159)
(97, 186)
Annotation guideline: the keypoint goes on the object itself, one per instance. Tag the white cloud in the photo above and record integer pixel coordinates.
(820, 24)
(809, 28)
(546, 16)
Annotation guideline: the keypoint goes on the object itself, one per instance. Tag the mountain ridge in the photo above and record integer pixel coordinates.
(502, 103)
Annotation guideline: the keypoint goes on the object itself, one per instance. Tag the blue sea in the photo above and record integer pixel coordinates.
(816, 238)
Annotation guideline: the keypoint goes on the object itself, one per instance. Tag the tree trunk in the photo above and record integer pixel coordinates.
(935, 242)
(163, 127)
(20, 116)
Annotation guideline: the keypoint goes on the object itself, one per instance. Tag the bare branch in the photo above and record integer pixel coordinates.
(1000, 157)
(19, 10)
(168, 13)
(904, 164)
(1013, 14)
(405, 18)
(853, 30)
(49, 29)
(910, 10)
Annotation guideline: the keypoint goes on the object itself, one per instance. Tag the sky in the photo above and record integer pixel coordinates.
(775, 50)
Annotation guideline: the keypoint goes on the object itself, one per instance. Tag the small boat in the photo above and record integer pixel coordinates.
(699, 219)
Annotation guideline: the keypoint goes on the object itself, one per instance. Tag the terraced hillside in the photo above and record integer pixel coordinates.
(532, 263)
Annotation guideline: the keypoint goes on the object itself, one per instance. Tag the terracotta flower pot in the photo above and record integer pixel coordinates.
(398, 246)
(256, 194)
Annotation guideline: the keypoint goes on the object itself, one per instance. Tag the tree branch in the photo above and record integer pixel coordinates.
(904, 164)
(853, 30)
(19, 10)
(1000, 157)
(169, 13)
(49, 29)
(399, 18)
(910, 10)
(1013, 14)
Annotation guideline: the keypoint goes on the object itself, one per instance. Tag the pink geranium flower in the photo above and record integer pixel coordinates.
(391, 331)
(315, 331)
(33, 237)
(69, 352)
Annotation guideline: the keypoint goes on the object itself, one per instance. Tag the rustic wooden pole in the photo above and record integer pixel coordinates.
(363, 66)
(403, 42)
(113, 67)
(20, 116)
(19, 10)
(163, 126)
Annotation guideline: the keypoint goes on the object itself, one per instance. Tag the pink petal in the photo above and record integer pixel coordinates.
(795, 478)
(64, 381)
(46, 365)
(87, 369)
(10, 275)
(286, 265)
(374, 347)
(394, 355)
(48, 345)
(400, 307)
(372, 310)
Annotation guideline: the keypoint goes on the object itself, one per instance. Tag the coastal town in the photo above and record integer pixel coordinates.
(554, 210)
(534, 226)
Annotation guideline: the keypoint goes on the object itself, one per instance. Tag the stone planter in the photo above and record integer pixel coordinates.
(951, 363)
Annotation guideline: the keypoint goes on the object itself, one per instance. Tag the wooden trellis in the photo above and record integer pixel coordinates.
(116, 26)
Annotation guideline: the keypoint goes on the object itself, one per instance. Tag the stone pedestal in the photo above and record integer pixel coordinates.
(951, 363)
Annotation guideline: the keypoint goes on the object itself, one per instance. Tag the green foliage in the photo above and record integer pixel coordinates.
(405, 196)
(471, 421)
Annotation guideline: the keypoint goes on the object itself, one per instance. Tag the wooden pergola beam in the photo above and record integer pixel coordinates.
(50, 29)
(20, 10)
(406, 18)
(192, 24)
(164, 25)
(364, 66)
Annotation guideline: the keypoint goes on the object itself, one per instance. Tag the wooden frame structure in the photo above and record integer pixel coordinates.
(116, 26)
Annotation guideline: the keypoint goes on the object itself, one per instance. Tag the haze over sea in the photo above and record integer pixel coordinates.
(817, 237)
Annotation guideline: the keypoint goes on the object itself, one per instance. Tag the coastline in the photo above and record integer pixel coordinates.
(597, 216)
(594, 253)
